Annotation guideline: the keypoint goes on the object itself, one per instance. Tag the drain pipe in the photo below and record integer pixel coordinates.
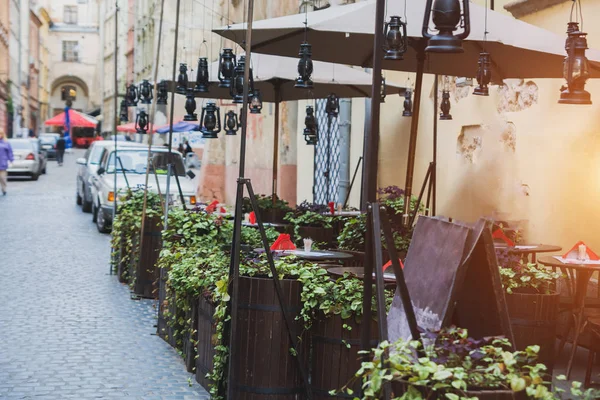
(344, 123)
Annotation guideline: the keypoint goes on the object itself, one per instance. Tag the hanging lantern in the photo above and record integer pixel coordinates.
(311, 135)
(447, 17)
(124, 112)
(190, 106)
(332, 106)
(182, 79)
(202, 76)
(231, 123)
(383, 89)
(236, 90)
(575, 68)
(141, 122)
(161, 93)
(227, 64)
(145, 92)
(305, 67)
(484, 74)
(445, 104)
(396, 42)
(256, 103)
(407, 103)
(132, 96)
(210, 121)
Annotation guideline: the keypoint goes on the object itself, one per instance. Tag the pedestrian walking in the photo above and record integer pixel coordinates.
(188, 148)
(61, 144)
(6, 159)
(180, 148)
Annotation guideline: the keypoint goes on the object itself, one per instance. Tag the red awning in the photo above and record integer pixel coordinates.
(77, 119)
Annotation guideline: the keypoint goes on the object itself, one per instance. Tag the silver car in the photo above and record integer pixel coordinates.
(131, 172)
(27, 159)
(86, 172)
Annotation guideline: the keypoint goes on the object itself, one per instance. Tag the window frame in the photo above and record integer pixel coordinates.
(74, 54)
(70, 14)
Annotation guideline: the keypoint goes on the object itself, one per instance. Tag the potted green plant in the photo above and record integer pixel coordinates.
(532, 305)
(272, 209)
(312, 221)
(453, 366)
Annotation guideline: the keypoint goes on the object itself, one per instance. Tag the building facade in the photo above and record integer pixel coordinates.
(4, 64)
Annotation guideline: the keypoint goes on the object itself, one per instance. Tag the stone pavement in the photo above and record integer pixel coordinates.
(69, 330)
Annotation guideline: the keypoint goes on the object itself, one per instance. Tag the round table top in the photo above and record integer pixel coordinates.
(314, 255)
(553, 262)
(359, 273)
(530, 248)
(267, 224)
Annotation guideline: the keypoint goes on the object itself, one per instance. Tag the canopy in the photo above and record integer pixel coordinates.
(181, 126)
(76, 119)
(273, 72)
(344, 34)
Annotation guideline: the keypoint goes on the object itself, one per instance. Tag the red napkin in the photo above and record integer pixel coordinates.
(223, 210)
(283, 242)
(252, 217)
(331, 207)
(212, 207)
(574, 252)
(389, 263)
(498, 234)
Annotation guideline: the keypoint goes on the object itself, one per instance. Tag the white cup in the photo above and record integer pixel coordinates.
(307, 245)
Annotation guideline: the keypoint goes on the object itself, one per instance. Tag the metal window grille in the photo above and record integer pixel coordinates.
(327, 157)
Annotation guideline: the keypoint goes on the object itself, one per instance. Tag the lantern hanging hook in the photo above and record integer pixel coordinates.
(576, 7)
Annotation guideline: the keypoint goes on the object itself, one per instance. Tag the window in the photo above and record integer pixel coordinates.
(70, 51)
(82, 1)
(68, 92)
(70, 15)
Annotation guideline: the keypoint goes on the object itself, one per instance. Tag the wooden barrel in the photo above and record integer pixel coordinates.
(264, 367)
(206, 340)
(534, 318)
(334, 355)
(146, 273)
(190, 335)
(400, 387)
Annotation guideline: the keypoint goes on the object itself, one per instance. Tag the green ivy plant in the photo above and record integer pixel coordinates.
(527, 278)
(265, 202)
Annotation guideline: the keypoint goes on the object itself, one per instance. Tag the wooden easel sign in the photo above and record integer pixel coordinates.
(453, 278)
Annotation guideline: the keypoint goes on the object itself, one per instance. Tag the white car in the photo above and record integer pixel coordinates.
(28, 159)
(131, 172)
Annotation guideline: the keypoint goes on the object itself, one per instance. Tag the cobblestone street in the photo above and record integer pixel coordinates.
(69, 330)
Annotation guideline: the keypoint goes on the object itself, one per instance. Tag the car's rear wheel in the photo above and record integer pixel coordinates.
(86, 205)
(34, 177)
(79, 199)
(94, 213)
(101, 223)
(44, 171)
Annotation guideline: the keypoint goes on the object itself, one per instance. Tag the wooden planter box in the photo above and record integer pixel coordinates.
(274, 216)
(534, 319)
(165, 328)
(206, 341)
(333, 363)
(264, 367)
(146, 272)
(399, 387)
(120, 252)
(317, 234)
(190, 338)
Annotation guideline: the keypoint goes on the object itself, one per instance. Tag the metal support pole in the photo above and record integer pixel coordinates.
(276, 142)
(360, 159)
(167, 196)
(328, 158)
(344, 124)
(115, 98)
(433, 189)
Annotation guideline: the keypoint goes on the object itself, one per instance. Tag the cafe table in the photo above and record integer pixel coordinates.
(313, 255)
(524, 250)
(338, 272)
(578, 276)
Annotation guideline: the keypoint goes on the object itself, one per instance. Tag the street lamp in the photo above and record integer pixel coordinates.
(445, 104)
(305, 67)
(231, 123)
(575, 68)
(227, 64)
(332, 105)
(182, 79)
(447, 17)
(484, 75)
(256, 103)
(141, 122)
(202, 76)
(210, 121)
(190, 106)
(162, 94)
(132, 95)
(145, 92)
(407, 103)
(396, 42)
(236, 89)
(311, 135)
(124, 113)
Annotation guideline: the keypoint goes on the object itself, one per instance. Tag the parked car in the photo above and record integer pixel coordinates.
(27, 159)
(48, 142)
(131, 172)
(43, 155)
(86, 171)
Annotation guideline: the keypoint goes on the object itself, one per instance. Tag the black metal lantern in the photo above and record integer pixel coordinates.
(383, 89)
(447, 17)
(141, 122)
(305, 67)
(145, 92)
(311, 135)
(396, 42)
(210, 121)
(132, 96)
(575, 68)
(484, 74)
(332, 106)
(124, 112)
(162, 95)
(407, 103)
(202, 76)
(231, 123)
(236, 90)
(256, 103)
(445, 104)
(182, 79)
(190, 106)
(227, 65)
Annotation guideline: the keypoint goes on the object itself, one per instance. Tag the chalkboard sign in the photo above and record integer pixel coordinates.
(453, 278)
